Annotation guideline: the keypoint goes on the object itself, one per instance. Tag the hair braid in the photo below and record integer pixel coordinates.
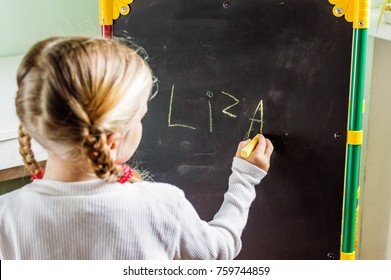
(26, 151)
(98, 153)
(71, 92)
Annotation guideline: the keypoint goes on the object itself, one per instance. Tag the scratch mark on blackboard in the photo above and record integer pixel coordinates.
(198, 169)
(210, 57)
(170, 112)
(205, 154)
(185, 145)
(209, 52)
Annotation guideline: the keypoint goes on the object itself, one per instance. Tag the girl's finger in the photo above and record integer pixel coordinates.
(260, 148)
(269, 148)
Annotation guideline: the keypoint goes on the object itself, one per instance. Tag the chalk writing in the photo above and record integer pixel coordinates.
(257, 117)
(236, 102)
(253, 119)
(210, 95)
(170, 112)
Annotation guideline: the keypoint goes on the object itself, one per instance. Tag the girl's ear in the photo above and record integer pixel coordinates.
(113, 139)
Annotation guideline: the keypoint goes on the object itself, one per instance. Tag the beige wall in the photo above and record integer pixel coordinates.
(376, 177)
(24, 22)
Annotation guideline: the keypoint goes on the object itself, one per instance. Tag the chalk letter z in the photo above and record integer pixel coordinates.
(230, 106)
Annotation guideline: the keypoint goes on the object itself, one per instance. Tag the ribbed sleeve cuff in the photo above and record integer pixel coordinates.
(245, 167)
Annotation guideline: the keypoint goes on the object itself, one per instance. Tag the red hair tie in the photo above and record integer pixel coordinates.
(128, 173)
(39, 175)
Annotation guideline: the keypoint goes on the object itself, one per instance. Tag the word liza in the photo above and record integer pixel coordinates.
(257, 113)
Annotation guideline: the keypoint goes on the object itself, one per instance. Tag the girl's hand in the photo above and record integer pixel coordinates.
(260, 157)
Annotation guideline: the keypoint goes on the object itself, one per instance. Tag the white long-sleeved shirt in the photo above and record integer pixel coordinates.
(94, 219)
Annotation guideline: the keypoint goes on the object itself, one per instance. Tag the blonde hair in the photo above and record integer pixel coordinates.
(72, 92)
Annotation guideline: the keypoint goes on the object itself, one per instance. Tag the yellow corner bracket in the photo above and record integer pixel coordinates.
(356, 11)
(112, 9)
(121, 7)
(355, 137)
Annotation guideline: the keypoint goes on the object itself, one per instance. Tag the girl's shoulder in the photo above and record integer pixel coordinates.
(10, 198)
(163, 200)
(159, 188)
(12, 193)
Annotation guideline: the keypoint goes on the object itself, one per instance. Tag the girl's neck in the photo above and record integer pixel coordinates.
(67, 171)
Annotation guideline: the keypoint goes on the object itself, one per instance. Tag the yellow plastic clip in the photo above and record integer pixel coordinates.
(356, 11)
(110, 10)
(121, 7)
(355, 137)
(348, 256)
(343, 8)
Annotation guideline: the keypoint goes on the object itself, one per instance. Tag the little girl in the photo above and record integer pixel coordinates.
(83, 100)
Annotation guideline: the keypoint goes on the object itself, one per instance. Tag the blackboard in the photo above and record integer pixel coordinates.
(230, 69)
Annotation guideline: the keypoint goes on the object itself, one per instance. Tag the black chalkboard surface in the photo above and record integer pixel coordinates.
(230, 69)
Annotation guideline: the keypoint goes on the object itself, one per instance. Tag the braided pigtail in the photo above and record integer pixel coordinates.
(71, 92)
(98, 153)
(26, 152)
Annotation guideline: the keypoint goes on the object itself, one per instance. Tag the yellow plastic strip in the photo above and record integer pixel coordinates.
(355, 137)
(348, 256)
(361, 14)
(106, 12)
(363, 106)
(357, 219)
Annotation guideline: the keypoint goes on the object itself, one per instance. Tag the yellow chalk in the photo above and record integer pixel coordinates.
(249, 148)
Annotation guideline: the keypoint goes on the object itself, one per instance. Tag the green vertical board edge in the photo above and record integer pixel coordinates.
(354, 151)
